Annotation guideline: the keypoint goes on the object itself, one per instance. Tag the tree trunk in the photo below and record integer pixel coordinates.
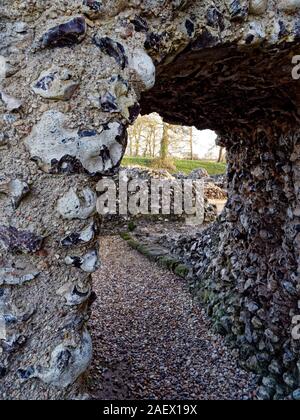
(221, 155)
(138, 140)
(164, 146)
(191, 143)
(131, 146)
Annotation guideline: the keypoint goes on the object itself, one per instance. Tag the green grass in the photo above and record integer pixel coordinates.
(185, 166)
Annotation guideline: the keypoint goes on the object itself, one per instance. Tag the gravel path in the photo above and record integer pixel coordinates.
(151, 341)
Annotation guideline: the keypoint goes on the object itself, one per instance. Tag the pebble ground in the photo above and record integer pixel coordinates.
(151, 341)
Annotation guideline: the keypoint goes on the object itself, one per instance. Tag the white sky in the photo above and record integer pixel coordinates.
(205, 142)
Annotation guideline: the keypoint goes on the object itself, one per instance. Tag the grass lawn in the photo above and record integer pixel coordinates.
(185, 166)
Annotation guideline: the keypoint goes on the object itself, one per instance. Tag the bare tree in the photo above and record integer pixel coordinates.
(191, 143)
(164, 146)
(221, 157)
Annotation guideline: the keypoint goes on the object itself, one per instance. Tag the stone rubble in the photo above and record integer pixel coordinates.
(112, 223)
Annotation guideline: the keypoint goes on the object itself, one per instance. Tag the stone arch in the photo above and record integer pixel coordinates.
(73, 77)
(250, 281)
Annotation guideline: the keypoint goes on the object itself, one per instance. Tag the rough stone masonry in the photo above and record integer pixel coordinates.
(73, 75)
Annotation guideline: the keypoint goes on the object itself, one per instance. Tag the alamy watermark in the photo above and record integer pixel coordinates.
(296, 327)
(3, 334)
(164, 197)
(296, 319)
(2, 67)
(296, 68)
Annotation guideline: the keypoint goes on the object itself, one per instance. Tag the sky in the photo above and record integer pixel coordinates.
(205, 142)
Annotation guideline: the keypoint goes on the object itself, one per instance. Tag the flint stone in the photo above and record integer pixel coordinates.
(16, 276)
(14, 240)
(238, 9)
(75, 295)
(68, 362)
(93, 9)
(60, 150)
(118, 98)
(112, 48)
(89, 263)
(77, 204)
(84, 237)
(296, 395)
(258, 7)
(11, 103)
(64, 34)
(3, 371)
(289, 6)
(17, 189)
(56, 83)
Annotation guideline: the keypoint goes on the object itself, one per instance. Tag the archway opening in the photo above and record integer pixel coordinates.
(247, 275)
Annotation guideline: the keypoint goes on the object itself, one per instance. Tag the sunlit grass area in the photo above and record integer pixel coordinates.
(185, 166)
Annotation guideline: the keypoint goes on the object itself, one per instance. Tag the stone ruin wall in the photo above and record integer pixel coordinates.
(73, 76)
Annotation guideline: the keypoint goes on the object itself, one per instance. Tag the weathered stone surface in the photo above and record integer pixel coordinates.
(83, 237)
(88, 263)
(77, 205)
(14, 240)
(290, 6)
(258, 7)
(16, 189)
(142, 64)
(55, 83)
(113, 49)
(64, 34)
(75, 294)
(11, 103)
(224, 283)
(226, 67)
(68, 362)
(117, 98)
(17, 275)
(59, 150)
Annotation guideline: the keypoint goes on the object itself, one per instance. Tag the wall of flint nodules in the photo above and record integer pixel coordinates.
(73, 76)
